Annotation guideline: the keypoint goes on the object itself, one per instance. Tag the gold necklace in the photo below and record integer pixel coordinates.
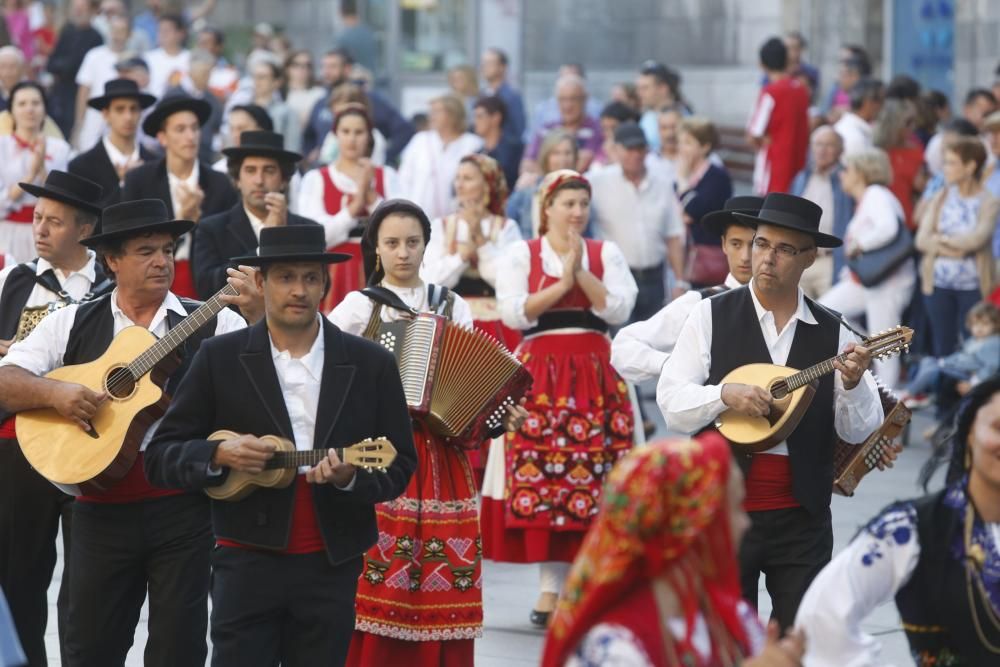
(977, 556)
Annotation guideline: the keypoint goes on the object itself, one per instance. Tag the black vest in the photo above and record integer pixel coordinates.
(934, 603)
(93, 330)
(737, 340)
(22, 280)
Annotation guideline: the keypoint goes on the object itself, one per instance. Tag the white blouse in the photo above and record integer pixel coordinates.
(875, 224)
(352, 314)
(311, 203)
(513, 291)
(427, 170)
(15, 161)
(443, 268)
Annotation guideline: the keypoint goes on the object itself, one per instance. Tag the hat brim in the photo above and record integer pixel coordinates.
(154, 121)
(822, 240)
(293, 258)
(145, 100)
(66, 198)
(716, 222)
(173, 227)
(279, 154)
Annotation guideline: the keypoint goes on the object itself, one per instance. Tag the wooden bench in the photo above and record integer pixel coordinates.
(736, 153)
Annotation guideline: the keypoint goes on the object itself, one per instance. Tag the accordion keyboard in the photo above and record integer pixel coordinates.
(415, 361)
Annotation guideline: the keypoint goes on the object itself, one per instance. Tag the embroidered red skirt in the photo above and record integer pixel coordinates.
(345, 277)
(422, 581)
(580, 423)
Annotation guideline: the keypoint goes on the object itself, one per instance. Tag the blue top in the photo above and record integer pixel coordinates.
(514, 122)
(710, 194)
(958, 218)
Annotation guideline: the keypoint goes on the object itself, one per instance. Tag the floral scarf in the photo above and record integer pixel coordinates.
(496, 184)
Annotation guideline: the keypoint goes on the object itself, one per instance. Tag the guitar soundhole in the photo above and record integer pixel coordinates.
(120, 383)
(779, 390)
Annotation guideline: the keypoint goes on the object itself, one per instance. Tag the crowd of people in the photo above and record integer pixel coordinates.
(143, 174)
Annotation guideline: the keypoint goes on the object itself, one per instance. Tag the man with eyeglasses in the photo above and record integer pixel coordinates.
(772, 321)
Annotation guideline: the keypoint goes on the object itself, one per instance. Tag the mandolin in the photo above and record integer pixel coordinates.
(792, 392)
(370, 454)
(852, 462)
(132, 372)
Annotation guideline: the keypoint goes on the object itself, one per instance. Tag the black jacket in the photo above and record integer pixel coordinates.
(221, 237)
(232, 384)
(96, 166)
(150, 182)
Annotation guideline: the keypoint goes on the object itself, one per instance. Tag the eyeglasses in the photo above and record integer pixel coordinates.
(781, 249)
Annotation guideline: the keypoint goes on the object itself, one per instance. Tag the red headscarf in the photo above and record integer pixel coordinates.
(663, 515)
(496, 183)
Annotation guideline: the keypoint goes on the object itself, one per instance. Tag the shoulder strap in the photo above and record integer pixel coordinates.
(709, 292)
(386, 297)
(374, 322)
(837, 316)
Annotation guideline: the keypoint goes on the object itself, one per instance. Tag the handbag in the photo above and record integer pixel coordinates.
(874, 266)
(706, 265)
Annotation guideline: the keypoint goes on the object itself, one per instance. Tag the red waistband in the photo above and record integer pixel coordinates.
(7, 431)
(303, 536)
(769, 484)
(23, 214)
(132, 488)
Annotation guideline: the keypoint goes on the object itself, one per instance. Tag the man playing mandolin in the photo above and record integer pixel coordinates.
(771, 321)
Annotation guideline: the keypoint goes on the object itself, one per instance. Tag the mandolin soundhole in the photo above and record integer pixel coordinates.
(120, 383)
(779, 390)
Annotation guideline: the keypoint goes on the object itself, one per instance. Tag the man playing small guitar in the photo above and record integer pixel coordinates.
(771, 321)
(286, 570)
(131, 536)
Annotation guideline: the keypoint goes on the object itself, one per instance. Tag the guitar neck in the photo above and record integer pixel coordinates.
(146, 361)
(804, 377)
(296, 459)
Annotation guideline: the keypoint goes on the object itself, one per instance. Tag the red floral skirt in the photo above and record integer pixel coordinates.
(422, 581)
(580, 423)
(345, 277)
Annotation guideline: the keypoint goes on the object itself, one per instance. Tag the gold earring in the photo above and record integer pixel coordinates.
(378, 262)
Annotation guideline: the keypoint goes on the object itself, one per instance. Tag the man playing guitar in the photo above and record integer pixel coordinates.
(132, 536)
(771, 321)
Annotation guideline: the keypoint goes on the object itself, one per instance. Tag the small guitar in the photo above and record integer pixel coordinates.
(132, 372)
(370, 454)
(792, 391)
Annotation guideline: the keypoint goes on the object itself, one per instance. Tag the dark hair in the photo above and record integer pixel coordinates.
(348, 8)
(369, 240)
(271, 65)
(969, 149)
(310, 81)
(961, 127)
(864, 90)
(859, 59)
(903, 87)
(774, 55)
(500, 54)
(936, 100)
(985, 310)
(217, 35)
(342, 53)
(34, 85)
(977, 93)
(797, 36)
(258, 113)
(492, 104)
(176, 19)
(620, 111)
(234, 164)
(951, 440)
(360, 113)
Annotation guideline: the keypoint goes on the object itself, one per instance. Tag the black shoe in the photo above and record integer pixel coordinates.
(648, 427)
(539, 619)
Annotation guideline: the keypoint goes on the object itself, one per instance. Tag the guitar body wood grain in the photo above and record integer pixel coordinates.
(758, 434)
(239, 485)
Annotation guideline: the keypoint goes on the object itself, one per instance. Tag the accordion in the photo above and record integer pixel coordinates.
(852, 462)
(459, 379)
(32, 317)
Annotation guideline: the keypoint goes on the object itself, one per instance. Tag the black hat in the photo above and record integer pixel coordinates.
(292, 243)
(716, 222)
(630, 135)
(261, 143)
(791, 212)
(118, 88)
(132, 218)
(170, 105)
(69, 189)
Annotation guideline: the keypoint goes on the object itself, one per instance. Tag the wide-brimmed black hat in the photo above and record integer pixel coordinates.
(119, 88)
(717, 221)
(74, 190)
(133, 218)
(170, 105)
(292, 243)
(261, 143)
(791, 212)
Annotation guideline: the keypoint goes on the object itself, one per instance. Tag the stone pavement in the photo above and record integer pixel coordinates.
(510, 590)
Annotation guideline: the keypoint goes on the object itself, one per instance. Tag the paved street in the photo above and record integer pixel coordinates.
(509, 590)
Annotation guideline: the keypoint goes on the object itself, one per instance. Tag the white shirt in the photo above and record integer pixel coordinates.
(875, 224)
(183, 247)
(819, 190)
(427, 170)
(639, 351)
(97, 68)
(119, 159)
(856, 133)
(75, 283)
(255, 223)
(352, 314)
(14, 163)
(688, 404)
(513, 290)
(443, 268)
(165, 70)
(42, 351)
(638, 219)
(312, 205)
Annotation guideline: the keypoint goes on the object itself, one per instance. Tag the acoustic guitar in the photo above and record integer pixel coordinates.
(370, 454)
(132, 372)
(792, 392)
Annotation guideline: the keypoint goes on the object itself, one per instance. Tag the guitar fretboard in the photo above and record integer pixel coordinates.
(173, 339)
(296, 459)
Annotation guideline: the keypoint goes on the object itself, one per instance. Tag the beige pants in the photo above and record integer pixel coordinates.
(818, 278)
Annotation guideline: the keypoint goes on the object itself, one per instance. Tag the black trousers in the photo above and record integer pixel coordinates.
(790, 547)
(121, 550)
(270, 609)
(30, 512)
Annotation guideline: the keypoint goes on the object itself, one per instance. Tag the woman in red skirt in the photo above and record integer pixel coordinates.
(341, 194)
(543, 488)
(420, 598)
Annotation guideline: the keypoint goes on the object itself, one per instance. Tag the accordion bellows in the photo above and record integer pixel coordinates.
(460, 379)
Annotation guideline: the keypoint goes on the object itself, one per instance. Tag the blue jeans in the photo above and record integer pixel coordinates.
(946, 310)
